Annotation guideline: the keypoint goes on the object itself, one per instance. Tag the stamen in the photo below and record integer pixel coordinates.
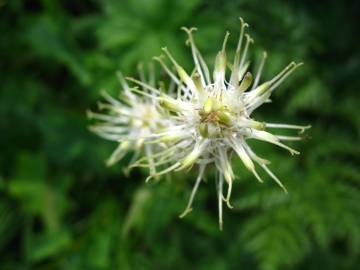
(289, 138)
(226, 170)
(220, 200)
(273, 176)
(242, 71)
(235, 72)
(274, 125)
(281, 73)
(255, 157)
(188, 208)
(110, 99)
(171, 88)
(193, 51)
(171, 137)
(242, 31)
(108, 129)
(169, 169)
(127, 169)
(152, 74)
(248, 122)
(146, 165)
(192, 157)
(204, 68)
(110, 137)
(104, 117)
(241, 152)
(172, 59)
(140, 68)
(145, 85)
(119, 153)
(268, 137)
(249, 40)
(254, 101)
(220, 64)
(102, 106)
(181, 72)
(258, 74)
(228, 195)
(285, 76)
(149, 153)
(136, 90)
(227, 34)
(167, 70)
(123, 83)
(163, 154)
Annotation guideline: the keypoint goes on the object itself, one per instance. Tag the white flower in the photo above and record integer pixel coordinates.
(211, 116)
(129, 121)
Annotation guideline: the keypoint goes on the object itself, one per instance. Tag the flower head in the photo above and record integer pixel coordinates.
(211, 116)
(128, 121)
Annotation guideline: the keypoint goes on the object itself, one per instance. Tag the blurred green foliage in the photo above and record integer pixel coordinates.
(61, 208)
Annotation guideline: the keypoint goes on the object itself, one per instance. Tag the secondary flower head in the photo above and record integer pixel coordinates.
(128, 121)
(211, 116)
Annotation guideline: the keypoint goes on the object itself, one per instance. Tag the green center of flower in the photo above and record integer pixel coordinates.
(214, 118)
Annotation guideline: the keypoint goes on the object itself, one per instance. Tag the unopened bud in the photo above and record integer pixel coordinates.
(197, 81)
(190, 159)
(243, 70)
(258, 125)
(171, 138)
(220, 61)
(220, 66)
(246, 82)
(225, 117)
(261, 89)
(208, 105)
(185, 78)
(204, 130)
(139, 143)
(169, 103)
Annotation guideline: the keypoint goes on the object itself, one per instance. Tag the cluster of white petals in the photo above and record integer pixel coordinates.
(129, 120)
(204, 119)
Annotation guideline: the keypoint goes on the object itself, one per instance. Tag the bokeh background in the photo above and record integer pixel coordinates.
(62, 208)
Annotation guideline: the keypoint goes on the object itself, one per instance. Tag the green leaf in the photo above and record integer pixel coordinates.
(47, 245)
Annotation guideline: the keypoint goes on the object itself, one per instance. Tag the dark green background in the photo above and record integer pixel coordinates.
(62, 208)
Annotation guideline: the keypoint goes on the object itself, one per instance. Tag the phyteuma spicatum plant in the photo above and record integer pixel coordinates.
(211, 116)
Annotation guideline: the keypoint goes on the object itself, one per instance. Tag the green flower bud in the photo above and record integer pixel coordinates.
(246, 82)
(225, 117)
(261, 89)
(208, 105)
(197, 81)
(204, 130)
(169, 103)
